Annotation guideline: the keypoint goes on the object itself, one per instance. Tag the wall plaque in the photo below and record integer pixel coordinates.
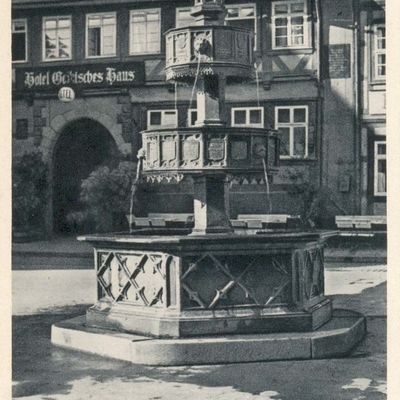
(339, 61)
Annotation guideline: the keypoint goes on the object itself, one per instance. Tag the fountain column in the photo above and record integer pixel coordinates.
(210, 193)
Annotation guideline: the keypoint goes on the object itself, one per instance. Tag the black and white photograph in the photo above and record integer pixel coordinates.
(199, 199)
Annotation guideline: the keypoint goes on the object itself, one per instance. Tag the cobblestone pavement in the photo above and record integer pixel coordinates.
(42, 371)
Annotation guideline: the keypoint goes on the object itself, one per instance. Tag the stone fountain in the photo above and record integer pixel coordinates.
(211, 295)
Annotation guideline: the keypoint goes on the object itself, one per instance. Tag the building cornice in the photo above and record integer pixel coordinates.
(29, 4)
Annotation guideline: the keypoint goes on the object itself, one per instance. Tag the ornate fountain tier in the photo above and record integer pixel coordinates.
(208, 50)
(204, 149)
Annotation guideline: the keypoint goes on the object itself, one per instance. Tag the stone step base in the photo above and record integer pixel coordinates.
(335, 339)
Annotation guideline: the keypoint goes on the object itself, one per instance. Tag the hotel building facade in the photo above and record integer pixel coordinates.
(319, 79)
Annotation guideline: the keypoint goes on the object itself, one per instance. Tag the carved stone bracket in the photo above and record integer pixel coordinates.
(164, 178)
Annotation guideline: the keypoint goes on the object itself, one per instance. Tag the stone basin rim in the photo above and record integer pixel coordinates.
(273, 237)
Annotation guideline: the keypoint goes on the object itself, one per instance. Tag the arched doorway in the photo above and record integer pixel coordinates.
(82, 146)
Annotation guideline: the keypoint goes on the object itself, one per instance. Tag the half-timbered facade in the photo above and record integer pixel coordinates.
(309, 57)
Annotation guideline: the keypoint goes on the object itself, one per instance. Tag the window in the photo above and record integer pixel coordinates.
(101, 35)
(183, 17)
(192, 116)
(243, 16)
(292, 124)
(56, 38)
(379, 52)
(289, 24)
(248, 116)
(145, 31)
(162, 118)
(380, 168)
(19, 40)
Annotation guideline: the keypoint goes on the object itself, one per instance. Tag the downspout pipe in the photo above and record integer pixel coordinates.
(357, 108)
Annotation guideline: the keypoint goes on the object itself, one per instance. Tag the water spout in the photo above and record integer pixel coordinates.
(195, 80)
(257, 83)
(267, 185)
(135, 184)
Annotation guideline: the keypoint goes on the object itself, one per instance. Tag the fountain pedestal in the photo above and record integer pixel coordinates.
(181, 286)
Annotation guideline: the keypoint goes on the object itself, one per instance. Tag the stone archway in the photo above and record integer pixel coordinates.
(57, 124)
(81, 146)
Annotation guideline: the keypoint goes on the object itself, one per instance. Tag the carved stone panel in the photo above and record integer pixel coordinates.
(242, 47)
(239, 150)
(168, 150)
(224, 45)
(216, 149)
(210, 281)
(190, 149)
(259, 149)
(152, 152)
(136, 278)
(309, 266)
(182, 47)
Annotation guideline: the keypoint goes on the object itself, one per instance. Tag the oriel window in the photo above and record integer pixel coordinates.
(145, 31)
(57, 38)
(19, 40)
(101, 35)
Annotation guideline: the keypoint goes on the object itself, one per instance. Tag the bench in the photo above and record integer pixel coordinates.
(363, 222)
(160, 220)
(243, 221)
(259, 221)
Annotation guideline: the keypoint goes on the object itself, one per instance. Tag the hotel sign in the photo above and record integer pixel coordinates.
(80, 76)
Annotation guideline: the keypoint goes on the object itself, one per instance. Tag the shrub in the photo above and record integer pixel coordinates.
(317, 205)
(29, 190)
(106, 195)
